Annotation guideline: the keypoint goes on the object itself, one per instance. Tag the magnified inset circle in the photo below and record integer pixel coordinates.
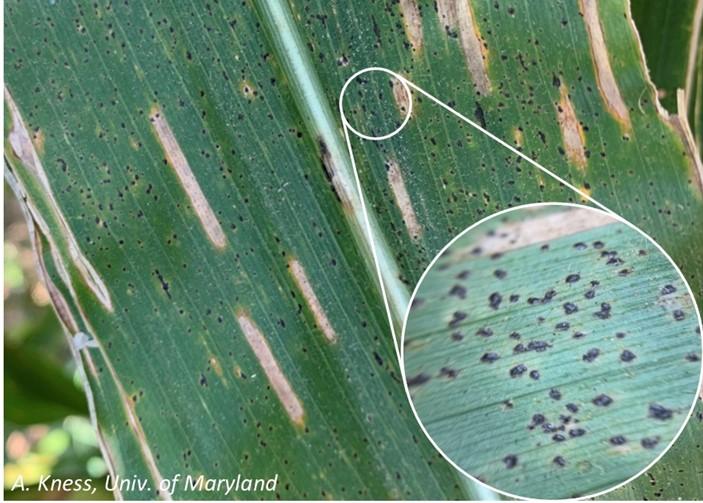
(552, 351)
(376, 101)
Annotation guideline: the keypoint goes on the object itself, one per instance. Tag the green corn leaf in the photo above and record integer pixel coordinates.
(107, 102)
(556, 361)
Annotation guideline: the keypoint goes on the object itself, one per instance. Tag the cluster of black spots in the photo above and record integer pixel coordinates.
(457, 336)
(555, 394)
(572, 278)
(500, 273)
(618, 440)
(572, 407)
(668, 289)
(604, 312)
(463, 274)
(558, 437)
(559, 461)
(590, 293)
(578, 335)
(484, 332)
(576, 432)
(458, 291)
(591, 355)
(562, 326)
(417, 380)
(602, 400)
(534, 374)
(514, 298)
(490, 357)
(448, 372)
(570, 308)
(580, 246)
(679, 315)
(598, 245)
(657, 411)
(494, 300)
(627, 356)
(548, 296)
(510, 461)
(457, 317)
(518, 370)
(649, 442)
(692, 357)
(515, 335)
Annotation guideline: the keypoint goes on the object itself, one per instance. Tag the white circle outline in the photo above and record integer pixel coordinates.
(402, 352)
(406, 88)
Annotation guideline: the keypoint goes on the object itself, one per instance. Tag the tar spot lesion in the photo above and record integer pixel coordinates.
(555, 394)
(484, 332)
(490, 357)
(494, 300)
(572, 278)
(417, 380)
(602, 400)
(659, 412)
(458, 291)
(518, 370)
(457, 317)
(627, 356)
(618, 440)
(448, 372)
(649, 442)
(591, 355)
(510, 461)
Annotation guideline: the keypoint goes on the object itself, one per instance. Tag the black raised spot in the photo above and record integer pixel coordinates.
(620, 335)
(500, 273)
(572, 407)
(518, 370)
(649, 442)
(534, 374)
(484, 332)
(519, 348)
(602, 400)
(590, 293)
(463, 275)
(457, 336)
(692, 357)
(679, 315)
(572, 278)
(627, 356)
(570, 308)
(591, 355)
(668, 289)
(559, 461)
(555, 394)
(515, 335)
(538, 419)
(580, 246)
(577, 432)
(538, 346)
(510, 461)
(578, 335)
(457, 317)
(657, 411)
(494, 300)
(419, 379)
(558, 437)
(448, 372)
(490, 357)
(618, 440)
(598, 245)
(458, 291)
(604, 312)
(514, 297)
(562, 326)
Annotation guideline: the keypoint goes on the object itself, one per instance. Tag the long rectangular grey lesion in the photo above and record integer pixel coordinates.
(311, 299)
(283, 389)
(177, 160)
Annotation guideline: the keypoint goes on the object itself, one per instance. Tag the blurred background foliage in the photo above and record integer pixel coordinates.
(46, 428)
(46, 424)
